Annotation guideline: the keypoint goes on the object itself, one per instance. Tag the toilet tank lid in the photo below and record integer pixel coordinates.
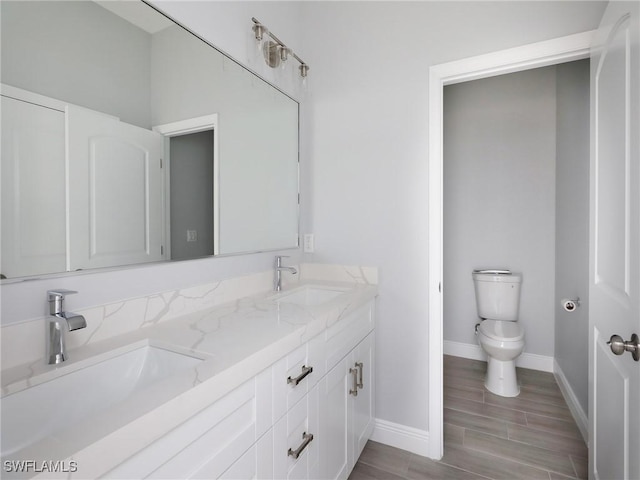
(493, 272)
(505, 276)
(502, 330)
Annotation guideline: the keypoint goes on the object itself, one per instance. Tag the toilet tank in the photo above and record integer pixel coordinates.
(497, 294)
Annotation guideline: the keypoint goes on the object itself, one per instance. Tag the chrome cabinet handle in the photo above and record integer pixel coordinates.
(295, 381)
(360, 366)
(306, 440)
(354, 391)
(619, 346)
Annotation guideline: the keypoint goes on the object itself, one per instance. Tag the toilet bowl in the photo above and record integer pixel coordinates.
(503, 342)
(499, 334)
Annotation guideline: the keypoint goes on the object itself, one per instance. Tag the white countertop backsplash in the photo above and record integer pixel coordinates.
(233, 324)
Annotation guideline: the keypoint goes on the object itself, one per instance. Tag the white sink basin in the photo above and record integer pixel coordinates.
(309, 296)
(44, 409)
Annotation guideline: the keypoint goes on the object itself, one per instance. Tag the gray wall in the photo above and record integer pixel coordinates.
(191, 194)
(499, 197)
(101, 62)
(572, 224)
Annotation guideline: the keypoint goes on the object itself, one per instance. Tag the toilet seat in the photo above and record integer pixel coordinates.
(503, 331)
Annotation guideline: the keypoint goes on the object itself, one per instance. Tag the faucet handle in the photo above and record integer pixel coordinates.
(59, 293)
(55, 298)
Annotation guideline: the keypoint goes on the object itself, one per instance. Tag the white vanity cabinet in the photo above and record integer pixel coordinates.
(291, 421)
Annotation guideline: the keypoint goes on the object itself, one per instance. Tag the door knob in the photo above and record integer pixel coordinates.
(619, 346)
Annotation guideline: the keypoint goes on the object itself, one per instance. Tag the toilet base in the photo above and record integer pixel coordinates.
(501, 378)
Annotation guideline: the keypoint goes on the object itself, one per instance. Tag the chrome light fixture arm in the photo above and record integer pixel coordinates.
(275, 51)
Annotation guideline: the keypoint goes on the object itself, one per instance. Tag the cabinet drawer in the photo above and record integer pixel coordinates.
(209, 442)
(342, 337)
(291, 439)
(296, 374)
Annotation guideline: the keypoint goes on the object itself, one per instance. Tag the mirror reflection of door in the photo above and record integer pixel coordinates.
(192, 198)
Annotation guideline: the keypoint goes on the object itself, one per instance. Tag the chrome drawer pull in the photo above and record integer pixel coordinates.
(354, 391)
(360, 366)
(305, 371)
(306, 440)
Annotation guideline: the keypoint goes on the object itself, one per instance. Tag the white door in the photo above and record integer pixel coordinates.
(33, 189)
(614, 399)
(115, 191)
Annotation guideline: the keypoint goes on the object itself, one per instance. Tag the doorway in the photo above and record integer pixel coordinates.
(516, 196)
(192, 187)
(191, 195)
(565, 49)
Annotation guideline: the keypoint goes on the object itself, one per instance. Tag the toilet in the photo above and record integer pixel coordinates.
(499, 333)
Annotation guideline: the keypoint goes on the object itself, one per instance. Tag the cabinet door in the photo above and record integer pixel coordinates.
(362, 405)
(334, 391)
(296, 440)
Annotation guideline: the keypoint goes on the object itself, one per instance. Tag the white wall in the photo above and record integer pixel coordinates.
(367, 121)
(499, 198)
(108, 73)
(572, 225)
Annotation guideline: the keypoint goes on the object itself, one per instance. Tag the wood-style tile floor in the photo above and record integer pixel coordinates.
(531, 436)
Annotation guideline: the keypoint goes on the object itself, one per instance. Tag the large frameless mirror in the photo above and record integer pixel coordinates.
(127, 139)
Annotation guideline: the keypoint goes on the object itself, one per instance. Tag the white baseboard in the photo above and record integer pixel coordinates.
(400, 436)
(474, 352)
(582, 421)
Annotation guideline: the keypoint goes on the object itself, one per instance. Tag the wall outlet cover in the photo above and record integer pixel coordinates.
(308, 246)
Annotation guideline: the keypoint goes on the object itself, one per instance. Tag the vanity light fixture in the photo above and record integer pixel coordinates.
(274, 51)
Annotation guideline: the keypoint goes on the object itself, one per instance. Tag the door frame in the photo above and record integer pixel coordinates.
(185, 127)
(535, 55)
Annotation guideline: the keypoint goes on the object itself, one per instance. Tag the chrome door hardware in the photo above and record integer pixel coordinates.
(360, 366)
(295, 381)
(354, 390)
(306, 440)
(619, 346)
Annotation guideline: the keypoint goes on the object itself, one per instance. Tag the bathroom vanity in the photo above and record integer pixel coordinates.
(266, 386)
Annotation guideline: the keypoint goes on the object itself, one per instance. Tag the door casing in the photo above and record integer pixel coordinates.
(536, 55)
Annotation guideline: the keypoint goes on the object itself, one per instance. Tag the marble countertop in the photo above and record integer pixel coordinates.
(236, 341)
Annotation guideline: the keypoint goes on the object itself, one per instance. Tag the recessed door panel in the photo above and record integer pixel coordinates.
(118, 197)
(613, 164)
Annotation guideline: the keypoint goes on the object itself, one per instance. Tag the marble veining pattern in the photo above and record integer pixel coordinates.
(236, 338)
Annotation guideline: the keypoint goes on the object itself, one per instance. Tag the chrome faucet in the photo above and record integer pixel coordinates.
(277, 284)
(58, 322)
